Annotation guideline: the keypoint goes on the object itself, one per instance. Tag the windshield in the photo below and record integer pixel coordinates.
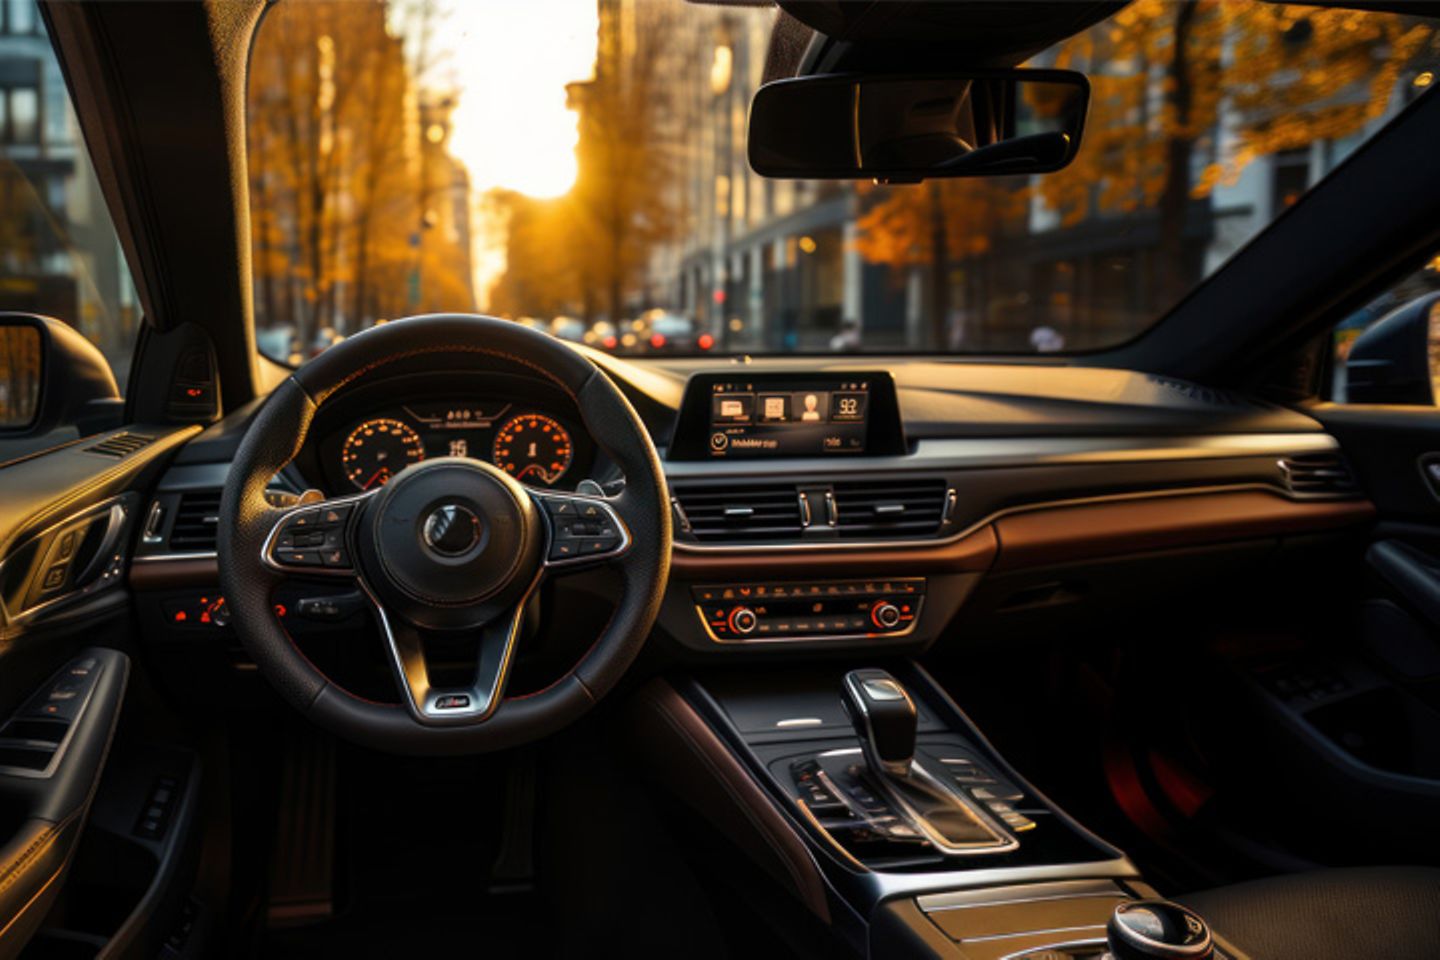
(579, 166)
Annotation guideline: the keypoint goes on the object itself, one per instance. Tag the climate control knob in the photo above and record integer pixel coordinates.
(743, 621)
(885, 615)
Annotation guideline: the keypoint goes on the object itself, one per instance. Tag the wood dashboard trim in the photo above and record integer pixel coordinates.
(1061, 534)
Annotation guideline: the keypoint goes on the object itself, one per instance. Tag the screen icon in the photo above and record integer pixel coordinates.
(732, 407)
(774, 407)
(812, 406)
(848, 407)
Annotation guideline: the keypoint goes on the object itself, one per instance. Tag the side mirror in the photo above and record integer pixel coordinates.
(52, 377)
(1397, 359)
(904, 129)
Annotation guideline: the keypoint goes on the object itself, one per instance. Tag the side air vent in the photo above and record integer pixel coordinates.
(1318, 475)
(718, 512)
(1211, 396)
(196, 518)
(121, 445)
(907, 508)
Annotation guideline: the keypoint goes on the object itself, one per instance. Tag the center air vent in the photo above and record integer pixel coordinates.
(196, 519)
(1318, 475)
(909, 508)
(731, 512)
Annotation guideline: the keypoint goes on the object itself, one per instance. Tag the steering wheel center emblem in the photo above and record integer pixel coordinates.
(451, 529)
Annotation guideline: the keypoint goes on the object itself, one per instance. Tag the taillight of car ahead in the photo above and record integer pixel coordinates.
(657, 341)
(705, 341)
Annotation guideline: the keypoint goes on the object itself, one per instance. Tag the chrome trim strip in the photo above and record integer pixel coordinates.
(968, 453)
(1048, 931)
(895, 884)
(1031, 893)
(176, 557)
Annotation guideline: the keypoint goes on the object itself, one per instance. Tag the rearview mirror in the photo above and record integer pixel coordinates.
(904, 129)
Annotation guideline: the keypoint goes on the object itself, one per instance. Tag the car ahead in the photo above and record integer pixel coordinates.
(1011, 530)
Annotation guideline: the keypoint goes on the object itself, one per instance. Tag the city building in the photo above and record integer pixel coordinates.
(58, 252)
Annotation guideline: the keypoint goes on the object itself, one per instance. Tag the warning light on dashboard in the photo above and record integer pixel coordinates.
(181, 616)
(279, 609)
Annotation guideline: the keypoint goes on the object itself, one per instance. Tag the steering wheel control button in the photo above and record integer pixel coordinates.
(582, 528)
(452, 530)
(312, 539)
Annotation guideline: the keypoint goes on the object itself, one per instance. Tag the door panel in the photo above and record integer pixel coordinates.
(69, 520)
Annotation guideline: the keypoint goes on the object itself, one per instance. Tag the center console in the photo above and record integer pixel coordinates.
(892, 817)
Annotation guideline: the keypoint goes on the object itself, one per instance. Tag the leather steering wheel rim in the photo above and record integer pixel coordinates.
(275, 437)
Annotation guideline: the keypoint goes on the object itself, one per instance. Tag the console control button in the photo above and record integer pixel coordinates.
(886, 615)
(851, 609)
(743, 621)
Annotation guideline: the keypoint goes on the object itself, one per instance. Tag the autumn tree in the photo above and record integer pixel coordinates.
(336, 149)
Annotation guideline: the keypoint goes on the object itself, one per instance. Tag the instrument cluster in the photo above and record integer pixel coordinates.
(535, 446)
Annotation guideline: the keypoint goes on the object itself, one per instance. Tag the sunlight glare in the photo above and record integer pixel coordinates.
(510, 62)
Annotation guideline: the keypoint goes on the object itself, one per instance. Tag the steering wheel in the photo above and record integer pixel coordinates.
(448, 552)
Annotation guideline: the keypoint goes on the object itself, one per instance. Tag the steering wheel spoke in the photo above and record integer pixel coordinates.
(315, 539)
(584, 530)
(464, 703)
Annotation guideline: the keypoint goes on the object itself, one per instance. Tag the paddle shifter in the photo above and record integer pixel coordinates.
(884, 718)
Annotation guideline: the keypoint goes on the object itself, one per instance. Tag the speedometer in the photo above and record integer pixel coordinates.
(533, 447)
(378, 449)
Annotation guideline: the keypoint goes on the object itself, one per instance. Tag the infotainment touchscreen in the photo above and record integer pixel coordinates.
(773, 415)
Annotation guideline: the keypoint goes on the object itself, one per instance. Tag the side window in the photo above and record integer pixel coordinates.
(59, 253)
(1388, 351)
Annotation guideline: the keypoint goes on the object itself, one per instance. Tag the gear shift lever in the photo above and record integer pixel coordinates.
(1158, 930)
(884, 719)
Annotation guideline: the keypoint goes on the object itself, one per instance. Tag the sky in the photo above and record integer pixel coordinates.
(509, 61)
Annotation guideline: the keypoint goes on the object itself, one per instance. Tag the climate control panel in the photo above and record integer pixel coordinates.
(809, 610)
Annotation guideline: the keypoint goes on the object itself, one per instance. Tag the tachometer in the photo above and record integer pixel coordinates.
(378, 449)
(532, 447)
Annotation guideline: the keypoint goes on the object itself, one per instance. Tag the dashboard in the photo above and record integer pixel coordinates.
(824, 504)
